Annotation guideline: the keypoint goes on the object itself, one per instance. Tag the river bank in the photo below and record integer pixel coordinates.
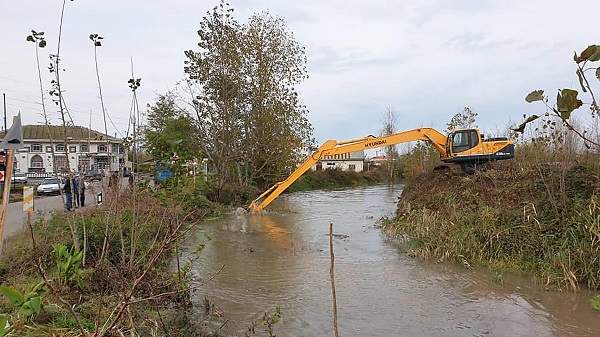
(99, 271)
(541, 220)
(145, 263)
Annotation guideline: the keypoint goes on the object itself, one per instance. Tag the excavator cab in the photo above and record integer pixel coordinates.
(468, 148)
(461, 141)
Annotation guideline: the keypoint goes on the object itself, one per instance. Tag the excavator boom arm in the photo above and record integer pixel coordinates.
(332, 147)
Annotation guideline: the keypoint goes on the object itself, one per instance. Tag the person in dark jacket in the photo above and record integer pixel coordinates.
(68, 189)
(75, 186)
(81, 183)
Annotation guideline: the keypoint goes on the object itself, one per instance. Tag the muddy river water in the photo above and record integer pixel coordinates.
(281, 258)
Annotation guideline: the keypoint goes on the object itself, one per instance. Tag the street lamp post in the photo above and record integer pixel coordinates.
(205, 162)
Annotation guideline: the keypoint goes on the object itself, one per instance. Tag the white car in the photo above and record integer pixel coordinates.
(19, 177)
(50, 186)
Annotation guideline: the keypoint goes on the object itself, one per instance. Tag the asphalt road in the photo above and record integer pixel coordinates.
(16, 219)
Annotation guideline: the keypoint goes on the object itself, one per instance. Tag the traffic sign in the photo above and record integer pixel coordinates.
(13, 138)
(1, 175)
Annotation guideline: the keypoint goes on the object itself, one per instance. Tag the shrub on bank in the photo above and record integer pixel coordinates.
(114, 277)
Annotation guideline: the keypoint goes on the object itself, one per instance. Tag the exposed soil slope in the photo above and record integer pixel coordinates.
(445, 190)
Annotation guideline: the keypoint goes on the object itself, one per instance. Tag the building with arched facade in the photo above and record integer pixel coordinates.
(49, 149)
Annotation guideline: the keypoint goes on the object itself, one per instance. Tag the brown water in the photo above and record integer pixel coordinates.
(282, 259)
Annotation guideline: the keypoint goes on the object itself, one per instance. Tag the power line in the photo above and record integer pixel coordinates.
(37, 106)
(79, 112)
(67, 91)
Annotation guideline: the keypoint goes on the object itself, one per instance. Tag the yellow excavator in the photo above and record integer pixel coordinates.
(466, 147)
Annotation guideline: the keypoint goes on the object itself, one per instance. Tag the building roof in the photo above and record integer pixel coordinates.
(57, 132)
(379, 158)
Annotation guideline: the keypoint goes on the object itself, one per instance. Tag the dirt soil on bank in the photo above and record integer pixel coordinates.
(507, 186)
(499, 187)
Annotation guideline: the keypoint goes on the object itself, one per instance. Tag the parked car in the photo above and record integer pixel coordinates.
(93, 175)
(19, 178)
(50, 186)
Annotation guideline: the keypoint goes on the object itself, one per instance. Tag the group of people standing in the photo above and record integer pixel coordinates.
(74, 190)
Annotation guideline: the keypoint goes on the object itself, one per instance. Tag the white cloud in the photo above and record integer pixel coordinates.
(426, 59)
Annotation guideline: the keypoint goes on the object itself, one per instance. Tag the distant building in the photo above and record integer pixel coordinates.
(378, 160)
(351, 161)
(82, 148)
(305, 151)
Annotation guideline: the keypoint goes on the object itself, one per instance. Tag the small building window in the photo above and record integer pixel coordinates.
(84, 148)
(48, 149)
(37, 162)
(60, 163)
(60, 147)
(102, 148)
(101, 163)
(36, 148)
(72, 148)
(352, 167)
(114, 148)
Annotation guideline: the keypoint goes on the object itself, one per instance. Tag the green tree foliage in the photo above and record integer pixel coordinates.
(421, 158)
(248, 113)
(216, 71)
(169, 130)
(276, 123)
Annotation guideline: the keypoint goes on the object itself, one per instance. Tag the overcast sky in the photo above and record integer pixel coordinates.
(425, 59)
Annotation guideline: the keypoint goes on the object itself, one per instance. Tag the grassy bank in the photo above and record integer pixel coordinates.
(531, 217)
(327, 179)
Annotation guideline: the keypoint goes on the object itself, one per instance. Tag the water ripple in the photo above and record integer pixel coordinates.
(281, 258)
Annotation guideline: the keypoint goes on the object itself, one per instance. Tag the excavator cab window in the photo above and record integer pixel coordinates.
(464, 140)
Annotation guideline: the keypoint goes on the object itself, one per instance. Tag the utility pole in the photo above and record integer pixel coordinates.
(4, 97)
(133, 166)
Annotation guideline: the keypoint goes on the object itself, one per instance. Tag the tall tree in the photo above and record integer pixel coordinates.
(220, 100)
(248, 112)
(276, 124)
(390, 124)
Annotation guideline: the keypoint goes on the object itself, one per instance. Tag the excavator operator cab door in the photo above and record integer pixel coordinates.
(461, 141)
